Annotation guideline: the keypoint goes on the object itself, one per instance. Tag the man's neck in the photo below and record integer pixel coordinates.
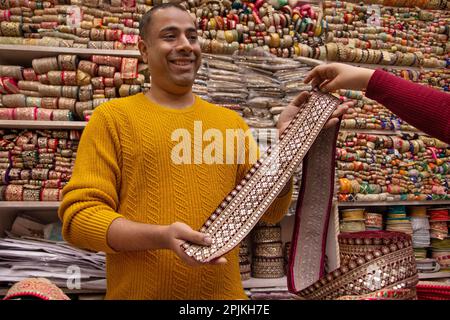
(171, 100)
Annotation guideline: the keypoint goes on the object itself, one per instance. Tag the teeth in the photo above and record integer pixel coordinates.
(182, 63)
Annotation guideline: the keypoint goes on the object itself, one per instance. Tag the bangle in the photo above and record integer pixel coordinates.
(331, 51)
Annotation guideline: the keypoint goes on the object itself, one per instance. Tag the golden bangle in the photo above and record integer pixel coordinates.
(212, 24)
(274, 40)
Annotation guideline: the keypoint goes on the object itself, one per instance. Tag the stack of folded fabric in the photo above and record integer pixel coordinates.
(244, 261)
(34, 249)
(373, 221)
(65, 87)
(352, 220)
(427, 265)
(439, 219)
(398, 221)
(421, 227)
(440, 250)
(268, 261)
(36, 164)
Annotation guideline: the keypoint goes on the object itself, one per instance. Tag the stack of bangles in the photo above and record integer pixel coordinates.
(402, 36)
(113, 26)
(380, 168)
(36, 165)
(66, 88)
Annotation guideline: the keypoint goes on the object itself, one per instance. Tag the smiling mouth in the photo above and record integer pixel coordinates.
(182, 62)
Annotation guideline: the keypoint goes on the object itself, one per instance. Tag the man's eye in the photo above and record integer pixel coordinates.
(169, 37)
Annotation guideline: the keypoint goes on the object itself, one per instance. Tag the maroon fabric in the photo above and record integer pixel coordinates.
(433, 292)
(423, 107)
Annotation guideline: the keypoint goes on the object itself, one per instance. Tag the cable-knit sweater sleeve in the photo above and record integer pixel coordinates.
(90, 199)
(425, 108)
(280, 205)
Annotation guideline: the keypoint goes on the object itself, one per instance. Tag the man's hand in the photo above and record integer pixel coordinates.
(179, 232)
(292, 109)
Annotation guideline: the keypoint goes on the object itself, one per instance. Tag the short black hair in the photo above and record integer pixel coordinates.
(147, 17)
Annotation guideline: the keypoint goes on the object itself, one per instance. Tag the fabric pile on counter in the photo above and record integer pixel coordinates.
(30, 250)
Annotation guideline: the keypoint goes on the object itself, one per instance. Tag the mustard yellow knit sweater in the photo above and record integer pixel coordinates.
(124, 169)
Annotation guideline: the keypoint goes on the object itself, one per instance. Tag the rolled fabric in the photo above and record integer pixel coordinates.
(62, 115)
(50, 90)
(128, 68)
(14, 72)
(28, 85)
(14, 100)
(49, 103)
(80, 107)
(108, 60)
(25, 113)
(44, 65)
(85, 93)
(88, 67)
(9, 84)
(34, 102)
(14, 193)
(6, 113)
(82, 78)
(11, 29)
(44, 114)
(106, 71)
(67, 103)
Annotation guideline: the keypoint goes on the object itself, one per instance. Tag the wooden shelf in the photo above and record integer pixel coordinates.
(30, 124)
(22, 55)
(392, 203)
(30, 205)
(383, 132)
(265, 283)
(378, 66)
(434, 275)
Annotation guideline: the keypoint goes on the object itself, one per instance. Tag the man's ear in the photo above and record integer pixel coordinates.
(143, 48)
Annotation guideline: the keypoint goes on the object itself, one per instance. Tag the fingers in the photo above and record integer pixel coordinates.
(183, 256)
(184, 232)
(300, 99)
(330, 85)
(331, 123)
(340, 110)
(219, 261)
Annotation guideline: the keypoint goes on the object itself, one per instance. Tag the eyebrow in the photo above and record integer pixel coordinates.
(173, 28)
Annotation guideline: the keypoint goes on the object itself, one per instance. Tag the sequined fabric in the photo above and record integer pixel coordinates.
(243, 206)
(372, 264)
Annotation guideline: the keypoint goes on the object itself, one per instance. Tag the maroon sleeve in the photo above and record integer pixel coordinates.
(423, 107)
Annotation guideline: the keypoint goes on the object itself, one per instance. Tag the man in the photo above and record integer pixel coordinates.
(128, 198)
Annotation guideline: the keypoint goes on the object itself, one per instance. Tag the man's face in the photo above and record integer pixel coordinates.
(172, 50)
